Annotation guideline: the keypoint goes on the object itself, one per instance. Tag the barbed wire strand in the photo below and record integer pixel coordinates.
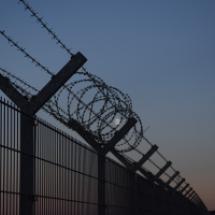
(25, 53)
(45, 26)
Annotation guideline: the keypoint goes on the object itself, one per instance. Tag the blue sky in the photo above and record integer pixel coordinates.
(162, 53)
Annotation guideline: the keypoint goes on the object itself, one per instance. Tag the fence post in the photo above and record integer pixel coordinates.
(27, 166)
(101, 153)
(133, 193)
(101, 184)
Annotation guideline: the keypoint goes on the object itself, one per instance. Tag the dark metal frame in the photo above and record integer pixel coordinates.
(69, 177)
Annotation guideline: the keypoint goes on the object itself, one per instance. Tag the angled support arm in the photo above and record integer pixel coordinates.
(179, 184)
(90, 138)
(145, 157)
(57, 81)
(191, 194)
(12, 93)
(193, 197)
(188, 191)
(122, 159)
(130, 166)
(161, 172)
(146, 173)
(120, 134)
(184, 188)
(172, 178)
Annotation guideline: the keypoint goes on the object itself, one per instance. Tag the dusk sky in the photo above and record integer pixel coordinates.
(160, 52)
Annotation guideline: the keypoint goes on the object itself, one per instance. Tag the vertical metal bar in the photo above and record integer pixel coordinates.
(38, 170)
(79, 177)
(45, 170)
(1, 126)
(101, 184)
(7, 162)
(13, 211)
(18, 158)
(75, 179)
(4, 156)
(27, 166)
(12, 160)
(56, 172)
(133, 193)
(84, 187)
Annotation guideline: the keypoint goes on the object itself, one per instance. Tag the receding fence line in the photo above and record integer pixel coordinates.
(66, 176)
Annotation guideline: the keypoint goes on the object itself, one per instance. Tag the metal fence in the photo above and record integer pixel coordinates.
(67, 177)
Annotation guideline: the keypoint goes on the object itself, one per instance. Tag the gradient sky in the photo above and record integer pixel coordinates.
(161, 52)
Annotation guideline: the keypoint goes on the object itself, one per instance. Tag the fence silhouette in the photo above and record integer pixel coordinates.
(67, 180)
(43, 170)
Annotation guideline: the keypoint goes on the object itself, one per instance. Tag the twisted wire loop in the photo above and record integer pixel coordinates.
(111, 105)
